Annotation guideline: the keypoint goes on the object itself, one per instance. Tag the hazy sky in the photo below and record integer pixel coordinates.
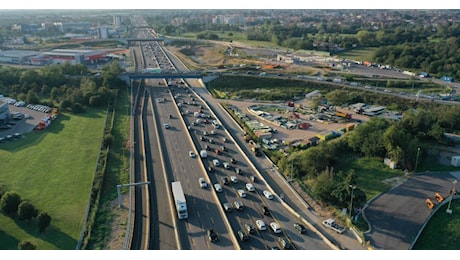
(233, 4)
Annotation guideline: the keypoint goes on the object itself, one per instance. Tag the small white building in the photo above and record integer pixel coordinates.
(390, 163)
(455, 161)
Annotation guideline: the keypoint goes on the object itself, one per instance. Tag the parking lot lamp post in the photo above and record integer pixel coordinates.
(448, 210)
(416, 160)
(353, 187)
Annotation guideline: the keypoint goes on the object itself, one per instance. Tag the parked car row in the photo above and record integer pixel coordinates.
(41, 108)
(10, 137)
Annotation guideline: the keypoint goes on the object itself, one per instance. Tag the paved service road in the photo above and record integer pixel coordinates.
(397, 215)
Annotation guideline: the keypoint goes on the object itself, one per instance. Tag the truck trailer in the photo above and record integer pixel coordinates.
(179, 200)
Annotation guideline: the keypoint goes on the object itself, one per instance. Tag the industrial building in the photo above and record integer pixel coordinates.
(17, 56)
(60, 56)
(57, 56)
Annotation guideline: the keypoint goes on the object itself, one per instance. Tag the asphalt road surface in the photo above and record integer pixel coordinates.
(397, 216)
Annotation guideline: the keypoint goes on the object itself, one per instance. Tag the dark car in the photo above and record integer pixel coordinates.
(265, 211)
(243, 236)
(212, 235)
(249, 228)
(284, 243)
(299, 227)
(225, 180)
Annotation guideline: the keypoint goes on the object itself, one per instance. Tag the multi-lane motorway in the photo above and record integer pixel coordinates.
(175, 103)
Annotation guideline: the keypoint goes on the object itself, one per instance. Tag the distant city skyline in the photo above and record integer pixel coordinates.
(236, 4)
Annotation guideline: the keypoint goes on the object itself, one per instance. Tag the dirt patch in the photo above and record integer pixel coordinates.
(118, 224)
(396, 181)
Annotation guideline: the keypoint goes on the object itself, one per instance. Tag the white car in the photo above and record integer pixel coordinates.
(275, 227)
(218, 187)
(250, 187)
(216, 162)
(234, 179)
(202, 182)
(191, 154)
(238, 205)
(268, 194)
(242, 193)
(166, 126)
(261, 224)
(226, 165)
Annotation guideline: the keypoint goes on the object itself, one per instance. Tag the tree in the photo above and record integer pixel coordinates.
(44, 221)
(26, 210)
(108, 140)
(367, 139)
(9, 202)
(2, 190)
(26, 245)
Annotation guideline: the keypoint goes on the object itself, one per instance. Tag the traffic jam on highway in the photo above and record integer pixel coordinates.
(254, 212)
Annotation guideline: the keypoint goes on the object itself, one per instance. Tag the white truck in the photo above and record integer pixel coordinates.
(179, 200)
(330, 223)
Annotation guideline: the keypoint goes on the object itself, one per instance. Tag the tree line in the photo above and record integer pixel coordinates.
(14, 206)
(423, 46)
(72, 88)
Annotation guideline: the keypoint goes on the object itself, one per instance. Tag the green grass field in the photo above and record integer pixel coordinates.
(359, 54)
(54, 170)
(442, 232)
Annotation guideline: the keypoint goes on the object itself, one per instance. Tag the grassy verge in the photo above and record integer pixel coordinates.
(117, 172)
(441, 233)
(53, 169)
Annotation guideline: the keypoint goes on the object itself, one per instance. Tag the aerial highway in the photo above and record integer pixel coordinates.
(172, 119)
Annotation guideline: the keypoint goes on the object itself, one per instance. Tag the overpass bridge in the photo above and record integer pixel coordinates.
(164, 74)
(132, 41)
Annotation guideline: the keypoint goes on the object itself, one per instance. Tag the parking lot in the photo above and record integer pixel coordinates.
(24, 125)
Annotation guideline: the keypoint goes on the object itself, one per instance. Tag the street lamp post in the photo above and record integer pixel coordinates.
(448, 210)
(416, 160)
(351, 198)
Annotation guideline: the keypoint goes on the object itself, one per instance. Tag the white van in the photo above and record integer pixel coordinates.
(204, 154)
(216, 162)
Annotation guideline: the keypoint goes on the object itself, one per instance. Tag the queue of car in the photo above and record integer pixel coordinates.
(199, 123)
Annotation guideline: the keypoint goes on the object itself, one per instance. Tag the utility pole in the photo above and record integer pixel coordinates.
(416, 160)
(119, 186)
(448, 210)
(353, 187)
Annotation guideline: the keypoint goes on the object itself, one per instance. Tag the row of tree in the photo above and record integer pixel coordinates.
(13, 205)
(69, 87)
